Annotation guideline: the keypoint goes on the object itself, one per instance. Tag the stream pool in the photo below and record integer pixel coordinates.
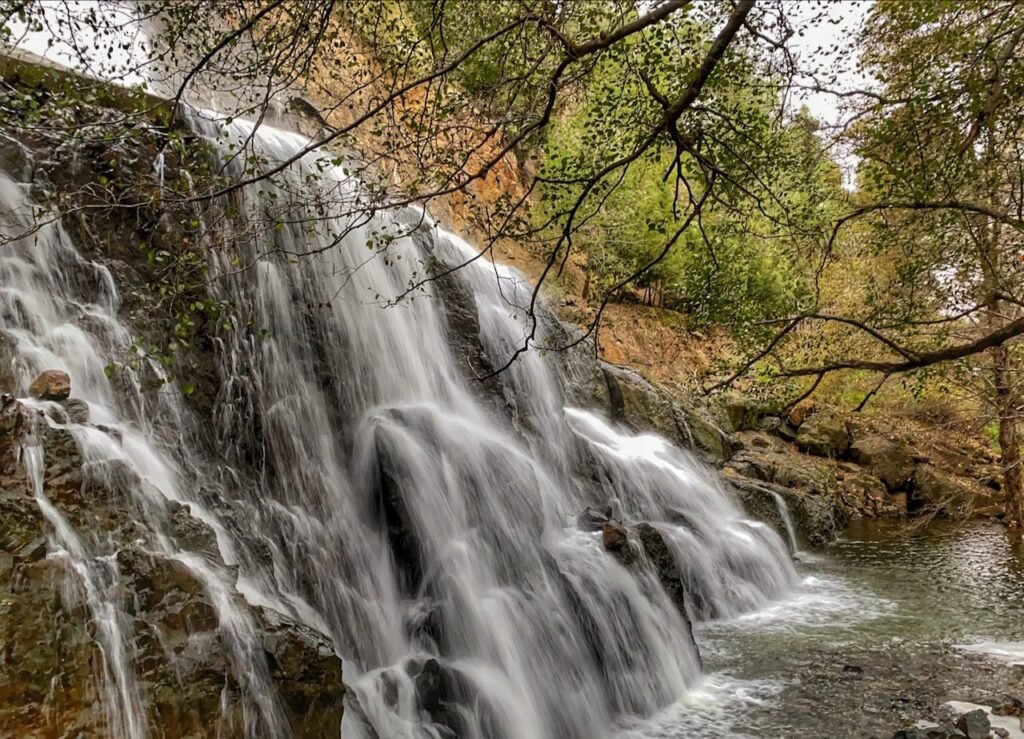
(885, 627)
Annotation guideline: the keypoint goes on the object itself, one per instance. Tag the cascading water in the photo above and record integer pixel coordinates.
(366, 485)
(420, 524)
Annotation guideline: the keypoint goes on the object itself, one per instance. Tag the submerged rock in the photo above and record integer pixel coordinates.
(592, 519)
(51, 385)
(76, 410)
(614, 536)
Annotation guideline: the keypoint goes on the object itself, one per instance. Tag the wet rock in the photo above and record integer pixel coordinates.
(51, 385)
(444, 693)
(614, 536)
(974, 724)
(824, 433)
(810, 486)
(660, 557)
(306, 672)
(892, 463)
(592, 519)
(190, 533)
(643, 407)
(76, 410)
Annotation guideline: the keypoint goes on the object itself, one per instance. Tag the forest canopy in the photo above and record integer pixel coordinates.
(659, 153)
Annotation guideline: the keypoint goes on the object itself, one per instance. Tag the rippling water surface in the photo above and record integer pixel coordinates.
(884, 628)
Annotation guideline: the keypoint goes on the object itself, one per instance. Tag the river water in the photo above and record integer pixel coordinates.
(883, 629)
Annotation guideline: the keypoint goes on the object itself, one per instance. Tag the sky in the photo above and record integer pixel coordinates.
(825, 31)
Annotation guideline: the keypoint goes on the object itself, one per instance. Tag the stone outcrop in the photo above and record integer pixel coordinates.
(50, 661)
(935, 489)
(889, 461)
(644, 407)
(51, 385)
(824, 434)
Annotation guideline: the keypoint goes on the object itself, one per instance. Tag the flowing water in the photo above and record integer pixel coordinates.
(367, 485)
(883, 628)
(361, 480)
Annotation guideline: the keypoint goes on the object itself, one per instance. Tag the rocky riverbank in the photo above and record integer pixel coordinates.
(828, 467)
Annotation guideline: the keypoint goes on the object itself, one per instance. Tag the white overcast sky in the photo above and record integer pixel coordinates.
(826, 31)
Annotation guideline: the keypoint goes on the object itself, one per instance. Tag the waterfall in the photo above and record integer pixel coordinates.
(362, 480)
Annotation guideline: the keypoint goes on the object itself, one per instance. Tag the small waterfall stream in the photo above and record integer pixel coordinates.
(365, 484)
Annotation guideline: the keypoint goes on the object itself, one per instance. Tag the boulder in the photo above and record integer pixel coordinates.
(974, 724)
(936, 489)
(742, 412)
(824, 434)
(798, 413)
(51, 385)
(866, 496)
(892, 463)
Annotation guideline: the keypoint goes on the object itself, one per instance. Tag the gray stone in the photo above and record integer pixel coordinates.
(892, 463)
(76, 409)
(824, 434)
(974, 724)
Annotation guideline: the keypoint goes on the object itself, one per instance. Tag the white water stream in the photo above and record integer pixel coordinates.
(364, 483)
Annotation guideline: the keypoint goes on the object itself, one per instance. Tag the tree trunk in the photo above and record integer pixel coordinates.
(1009, 435)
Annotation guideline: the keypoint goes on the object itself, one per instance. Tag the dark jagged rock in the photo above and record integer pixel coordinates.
(441, 691)
(306, 672)
(974, 724)
(49, 653)
(593, 519)
(644, 545)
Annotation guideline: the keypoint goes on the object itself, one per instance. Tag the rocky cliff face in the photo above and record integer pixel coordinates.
(160, 567)
(50, 662)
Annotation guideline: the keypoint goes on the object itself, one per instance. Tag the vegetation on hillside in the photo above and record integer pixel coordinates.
(658, 153)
